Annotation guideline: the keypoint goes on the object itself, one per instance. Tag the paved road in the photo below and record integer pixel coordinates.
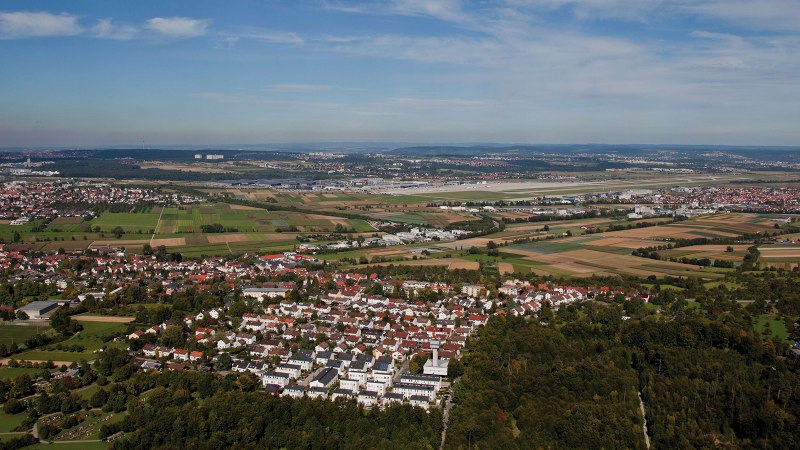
(403, 370)
(307, 380)
(448, 405)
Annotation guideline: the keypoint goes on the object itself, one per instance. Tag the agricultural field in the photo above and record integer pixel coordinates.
(556, 253)
(180, 229)
(191, 218)
(609, 253)
(781, 256)
(138, 222)
(712, 252)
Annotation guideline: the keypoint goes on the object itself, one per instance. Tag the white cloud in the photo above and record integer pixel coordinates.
(274, 38)
(181, 27)
(105, 28)
(24, 24)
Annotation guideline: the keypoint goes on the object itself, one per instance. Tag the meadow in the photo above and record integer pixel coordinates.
(14, 333)
(93, 337)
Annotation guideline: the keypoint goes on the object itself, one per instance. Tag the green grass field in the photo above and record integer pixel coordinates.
(12, 372)
(130, 222)
(10, 333)
(770, 325)
(90, 338)
(8, 422)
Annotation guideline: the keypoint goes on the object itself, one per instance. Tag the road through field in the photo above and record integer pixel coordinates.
(158, 224)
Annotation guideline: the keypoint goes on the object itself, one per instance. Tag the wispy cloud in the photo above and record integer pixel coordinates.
(760, 14)
(448, 10)
(435, 102)
(292, 87)
(274, 37)
(24, 24)
(107, 29)
(179, 27)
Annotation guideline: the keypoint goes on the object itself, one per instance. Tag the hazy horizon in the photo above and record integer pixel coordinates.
(686, 72)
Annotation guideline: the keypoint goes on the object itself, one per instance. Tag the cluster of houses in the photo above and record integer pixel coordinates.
(699, 200)
(348, 344)
(340, 339)
(110, 265)
(413, 236)
(33, 200)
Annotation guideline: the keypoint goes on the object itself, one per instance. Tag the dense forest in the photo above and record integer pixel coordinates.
(254, 420)
(571, 380)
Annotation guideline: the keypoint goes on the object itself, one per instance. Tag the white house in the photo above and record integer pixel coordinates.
(376, 386)
(294, 391)
(367, 399)
(350, 385)
(277, 378)
(325, 378)
(409, 390)
(421, 401)
(293, 370)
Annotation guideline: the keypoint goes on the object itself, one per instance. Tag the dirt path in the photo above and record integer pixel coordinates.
(109, 319)
(644, 421)
(155, 230)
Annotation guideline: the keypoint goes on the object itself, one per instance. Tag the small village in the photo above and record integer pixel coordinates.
(358, 335)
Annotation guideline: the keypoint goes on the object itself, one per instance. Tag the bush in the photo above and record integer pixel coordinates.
(13, 406)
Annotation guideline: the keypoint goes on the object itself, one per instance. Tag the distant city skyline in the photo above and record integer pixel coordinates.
(92, 74)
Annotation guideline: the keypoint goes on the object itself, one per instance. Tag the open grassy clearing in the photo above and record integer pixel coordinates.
(771, 325)
(15, 333)
(91, 338)
(11, 372)
(10, 421)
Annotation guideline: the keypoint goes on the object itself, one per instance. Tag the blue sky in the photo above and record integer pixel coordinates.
(94, 73)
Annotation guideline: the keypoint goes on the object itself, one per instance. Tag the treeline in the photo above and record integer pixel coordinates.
(425, 273)
(705, 262)
(173, 419)
(217, 228)
(553, 217)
